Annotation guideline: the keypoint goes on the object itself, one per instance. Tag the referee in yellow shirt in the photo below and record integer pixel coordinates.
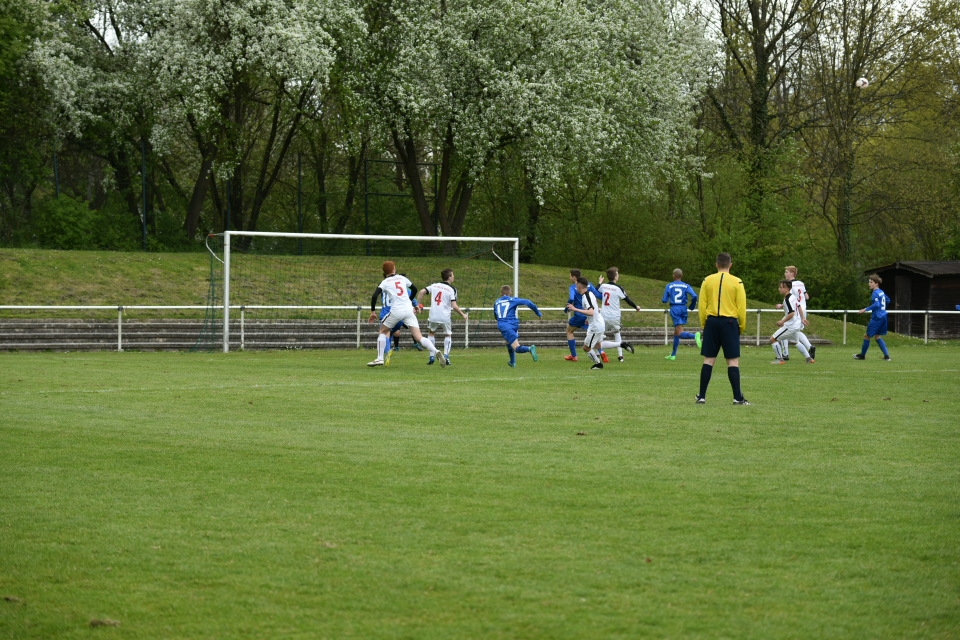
(723, 316)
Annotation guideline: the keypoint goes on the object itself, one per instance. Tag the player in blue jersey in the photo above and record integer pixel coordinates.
(578, 320)
(677, 294)
(878, 318)
(508, 321)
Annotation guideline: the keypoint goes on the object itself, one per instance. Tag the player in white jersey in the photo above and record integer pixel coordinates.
(397, 291)
(611, 294)
(590, 307)
(799, 291)
(790, 326)
(443, 300)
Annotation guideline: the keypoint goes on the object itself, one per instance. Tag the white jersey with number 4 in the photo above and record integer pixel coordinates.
(396, 289)
(442, 297)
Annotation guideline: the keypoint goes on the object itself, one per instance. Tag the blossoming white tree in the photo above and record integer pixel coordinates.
(569, 84)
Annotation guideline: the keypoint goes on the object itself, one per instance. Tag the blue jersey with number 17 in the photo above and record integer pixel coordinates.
(505, 309)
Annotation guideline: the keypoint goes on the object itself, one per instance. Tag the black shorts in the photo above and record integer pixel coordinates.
(721, 333)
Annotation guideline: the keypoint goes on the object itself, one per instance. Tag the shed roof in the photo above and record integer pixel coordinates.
(928, 268)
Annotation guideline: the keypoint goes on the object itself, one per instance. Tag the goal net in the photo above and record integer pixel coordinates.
(310, 291)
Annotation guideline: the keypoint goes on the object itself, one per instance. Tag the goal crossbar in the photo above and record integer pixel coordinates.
(227, 235)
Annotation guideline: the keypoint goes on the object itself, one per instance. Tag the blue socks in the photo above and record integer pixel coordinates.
(676, 344)
(523, 349)
(883, 347)
(513, 355)
(573, 347)
(866, 345)
(687, 335)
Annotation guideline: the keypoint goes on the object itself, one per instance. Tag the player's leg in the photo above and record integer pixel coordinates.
(731, 353)
(571, 342)
(803, 345)
(733, 375)
(864, 347)
(382, 340)
(512, 338)
(677, 330)
(776, 341)
(883, 347)
(424, 342)
(383, 337)
(881, 330)
(447, 342)
(710, 351)
(591, 344)
(777, 352)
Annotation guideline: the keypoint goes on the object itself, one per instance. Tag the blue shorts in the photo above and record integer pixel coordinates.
(877, 327)
(721, 333)
(679, 314)
(510, 334)
(578, 320)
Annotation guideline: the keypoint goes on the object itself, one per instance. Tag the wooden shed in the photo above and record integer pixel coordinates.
(923, 285)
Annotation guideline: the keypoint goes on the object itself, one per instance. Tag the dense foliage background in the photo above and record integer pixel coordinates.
(647, 135)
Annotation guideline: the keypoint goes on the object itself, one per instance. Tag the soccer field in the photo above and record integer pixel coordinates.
(303, 495)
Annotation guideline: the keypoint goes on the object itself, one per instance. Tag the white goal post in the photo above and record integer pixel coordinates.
(228, 235)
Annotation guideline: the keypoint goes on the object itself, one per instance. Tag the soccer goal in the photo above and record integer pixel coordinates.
(310, 290)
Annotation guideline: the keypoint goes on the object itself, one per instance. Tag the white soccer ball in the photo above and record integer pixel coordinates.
(862, 83)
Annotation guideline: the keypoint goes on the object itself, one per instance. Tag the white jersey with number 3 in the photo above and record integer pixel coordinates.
(442, 297)
(799, 293)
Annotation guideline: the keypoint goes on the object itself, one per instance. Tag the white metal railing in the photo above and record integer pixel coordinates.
(361, 313)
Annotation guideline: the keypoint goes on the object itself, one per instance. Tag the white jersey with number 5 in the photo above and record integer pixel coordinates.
(396, 288)
(442, 297)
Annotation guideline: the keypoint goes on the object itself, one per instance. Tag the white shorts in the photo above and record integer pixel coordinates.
(393, 318)
(592, 340)
(787, 333)
(446, 328)
(613, 325)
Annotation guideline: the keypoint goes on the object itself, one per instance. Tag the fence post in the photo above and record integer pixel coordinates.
(926, 325)
(759, 311)
(466, 330)
(243, 337)
(359, 311)
(666, 339)
(844, 326)
(119, 328)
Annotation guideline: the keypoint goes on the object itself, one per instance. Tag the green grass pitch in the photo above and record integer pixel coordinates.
(303, 495)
